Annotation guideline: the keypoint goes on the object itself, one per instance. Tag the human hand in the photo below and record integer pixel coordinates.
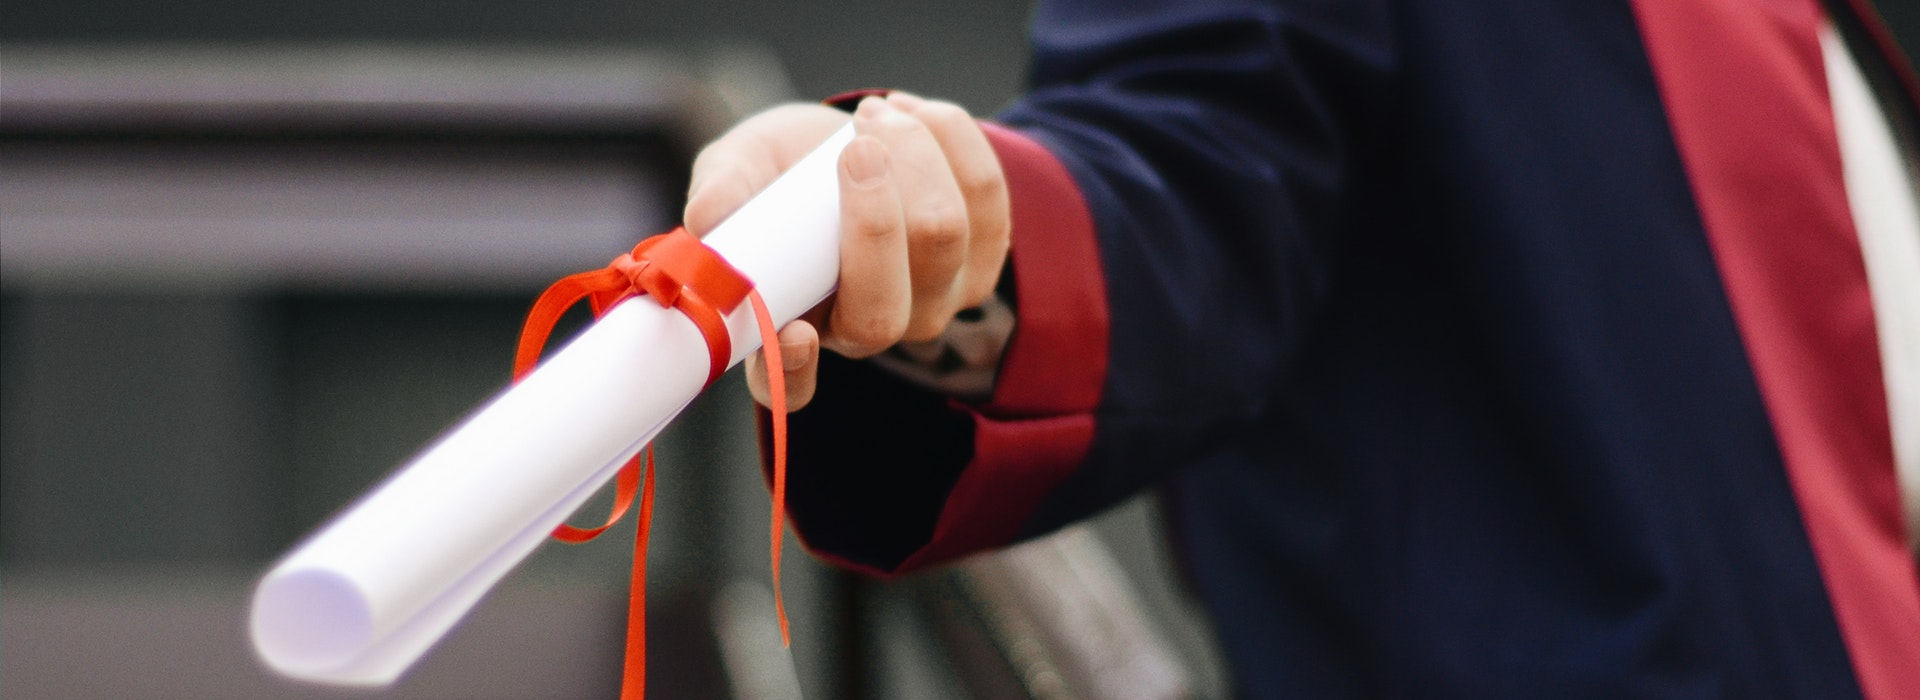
(924, 222)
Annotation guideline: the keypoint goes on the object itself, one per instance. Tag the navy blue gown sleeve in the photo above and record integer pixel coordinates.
(1177, 172)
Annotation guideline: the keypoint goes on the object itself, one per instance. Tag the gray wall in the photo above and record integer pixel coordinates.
(972, 52)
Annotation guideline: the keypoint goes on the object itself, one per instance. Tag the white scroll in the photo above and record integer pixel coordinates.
(368, 594)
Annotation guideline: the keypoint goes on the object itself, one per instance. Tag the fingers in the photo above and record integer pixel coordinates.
(746, 159)
(871, 309)
(935, 213)
(977, 172)
(924, 212)
(799, 355)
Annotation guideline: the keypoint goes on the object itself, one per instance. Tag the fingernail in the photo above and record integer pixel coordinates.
(871, 107)
(794, 355)
(867, 162)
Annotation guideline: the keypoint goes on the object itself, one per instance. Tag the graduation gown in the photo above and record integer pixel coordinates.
(1504, 349)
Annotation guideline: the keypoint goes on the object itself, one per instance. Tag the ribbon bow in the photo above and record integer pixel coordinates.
(678, 272)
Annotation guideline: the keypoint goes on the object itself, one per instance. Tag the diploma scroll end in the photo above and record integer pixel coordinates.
(306, 623)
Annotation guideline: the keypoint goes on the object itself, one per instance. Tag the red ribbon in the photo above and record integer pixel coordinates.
(679, 272)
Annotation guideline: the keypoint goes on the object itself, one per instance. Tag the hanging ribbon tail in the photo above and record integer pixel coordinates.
(633, 684)
(776, 395)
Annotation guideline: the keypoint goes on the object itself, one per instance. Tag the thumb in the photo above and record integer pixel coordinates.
(799, 357)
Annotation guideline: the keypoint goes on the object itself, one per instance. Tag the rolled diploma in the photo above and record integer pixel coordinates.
(367, 595)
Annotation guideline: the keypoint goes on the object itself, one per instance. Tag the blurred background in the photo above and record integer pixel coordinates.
(255, 254)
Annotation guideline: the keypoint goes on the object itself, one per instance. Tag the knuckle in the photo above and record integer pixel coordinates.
(864, 330)
(713, 203)
(930, 322)
(869, 335)
(982, 182)
(923, 332)
(938, 228)
(874, 227)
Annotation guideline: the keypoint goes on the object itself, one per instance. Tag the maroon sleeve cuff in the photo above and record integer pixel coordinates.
(1040, 422)
(850, 501)
(1056, 362)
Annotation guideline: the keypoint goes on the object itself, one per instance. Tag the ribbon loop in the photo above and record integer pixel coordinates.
(678, 272)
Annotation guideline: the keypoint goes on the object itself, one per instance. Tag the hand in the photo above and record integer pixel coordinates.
(924, 222)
